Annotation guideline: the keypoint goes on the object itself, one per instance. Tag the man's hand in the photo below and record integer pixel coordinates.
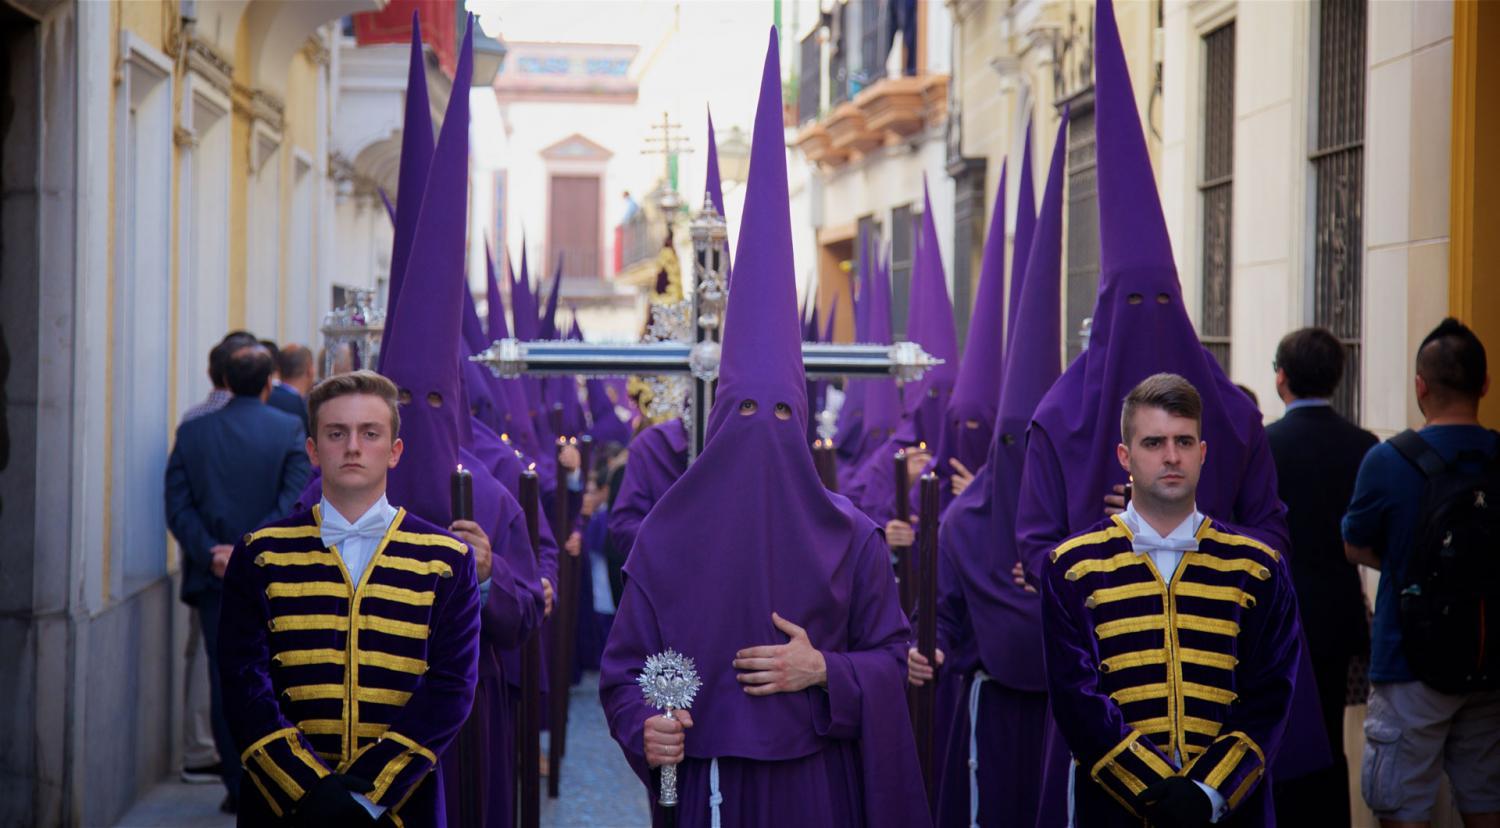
(664, 738)
(469, 532)
(546, 598)
(916, 461)
(569, 457)
(785, 668)
(899, 533)
(1114, 504)
(220, 560)
(574, 544)
(1018, 574)
(1177, 802)
(962, 477)
(918, 670)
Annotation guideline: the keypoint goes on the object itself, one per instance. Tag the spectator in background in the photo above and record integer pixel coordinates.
(294, 364)
(1317, 454)
(1415, 733)
(218, 357)
(230, 472)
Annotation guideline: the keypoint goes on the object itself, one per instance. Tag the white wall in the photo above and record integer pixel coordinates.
(203, 234)
(263, 247)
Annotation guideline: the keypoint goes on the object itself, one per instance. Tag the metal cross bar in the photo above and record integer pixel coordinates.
(905, 361)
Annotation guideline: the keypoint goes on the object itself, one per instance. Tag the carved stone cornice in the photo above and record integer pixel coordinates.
(259, 105)
(184, 138)
(316, 51)
(207, 61)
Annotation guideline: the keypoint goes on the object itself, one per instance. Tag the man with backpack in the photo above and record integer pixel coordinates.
(1426, 513)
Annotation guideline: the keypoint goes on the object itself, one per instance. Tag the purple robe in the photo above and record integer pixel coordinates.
(992, 623)
(748, 530)
(657, 457)
(1139, 328)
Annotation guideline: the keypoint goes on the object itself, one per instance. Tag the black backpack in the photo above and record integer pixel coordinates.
(1450, 598)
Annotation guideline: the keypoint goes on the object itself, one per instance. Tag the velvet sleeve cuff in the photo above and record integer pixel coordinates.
(394, 765)
(282, 767)
(1131, 767)
(1233, 765)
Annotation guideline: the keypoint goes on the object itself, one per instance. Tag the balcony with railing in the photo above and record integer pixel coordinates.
(865, 109)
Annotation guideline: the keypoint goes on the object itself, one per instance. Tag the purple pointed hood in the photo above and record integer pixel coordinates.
(978, 534)
(605, 425)
(424, 351)
(851, 422)
(882, 398)
(411, 176)
(970, 417)
(547, 325)
(523, 309)
(715, 191)
(931, 326)
(1140, 326)
(739, 567)
(1025, 227)
(515, 416)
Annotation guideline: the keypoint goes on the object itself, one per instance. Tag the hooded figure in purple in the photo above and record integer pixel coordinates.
(1140, 328)
(964, 440)
(925, 400)
(425, 365)
(989, 627)
(880, 397)
(760, 754)
(605, 426)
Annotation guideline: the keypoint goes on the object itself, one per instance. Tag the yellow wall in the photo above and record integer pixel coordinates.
(239, 178)
(1474, 264)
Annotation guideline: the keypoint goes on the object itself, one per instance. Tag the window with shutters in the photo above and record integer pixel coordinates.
(906, 226)
(1338, 180)
(809, 77)
(1216, 190)
(1083, 222)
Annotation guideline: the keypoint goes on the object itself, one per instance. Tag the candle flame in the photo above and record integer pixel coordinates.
(505, 436)
(460, 468)
(531, 467)
(922, 446)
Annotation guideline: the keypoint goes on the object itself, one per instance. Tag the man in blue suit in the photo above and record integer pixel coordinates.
(294, 367)
(230, 472)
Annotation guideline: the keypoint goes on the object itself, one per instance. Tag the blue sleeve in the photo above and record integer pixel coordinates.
(1364, 522)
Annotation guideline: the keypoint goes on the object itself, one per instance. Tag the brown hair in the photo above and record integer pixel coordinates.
(1169, 392)
(354, 382)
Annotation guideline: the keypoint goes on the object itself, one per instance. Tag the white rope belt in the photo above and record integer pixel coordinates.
(980, 677)
(715, 796)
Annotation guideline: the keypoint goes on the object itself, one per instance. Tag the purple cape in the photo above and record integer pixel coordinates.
(657, 458)
(777, 540)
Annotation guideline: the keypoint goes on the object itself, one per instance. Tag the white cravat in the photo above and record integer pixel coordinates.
(357, 541)
(1166, 553)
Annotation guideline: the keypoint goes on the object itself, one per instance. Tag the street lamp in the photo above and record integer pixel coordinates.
(489, 52)
(734, 156)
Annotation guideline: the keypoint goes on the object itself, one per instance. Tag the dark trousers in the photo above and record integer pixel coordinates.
(210, 605)
(1322, 798)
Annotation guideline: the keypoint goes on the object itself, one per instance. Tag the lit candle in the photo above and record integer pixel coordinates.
(461, 490)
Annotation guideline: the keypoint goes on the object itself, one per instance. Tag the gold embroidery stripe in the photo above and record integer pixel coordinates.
(308, 622)
(279, 776)
(412, 746)
(389, 627)
(399, 664)
(1208, 625)
(270, 800)
(1131, 782)
(1119, 560)
(314, 691)
(376, 695)
(1122, 593)
(1135, 694)
(1256, 569)
(1158, 724)
(1109, 758)
(388, 775)
(1109, 629)
(399, 595)
(1210, 533)
(1239, 793)
(1140, 658)
(426, 539)
(315, 558)
(321, 727)
(1216, 593)
(1116, 531)
(412, 565)
(260, 743)
(1207, 693)
(1152, 759)
(1206, 658)
(1226, 765)
(302, 753)
(1202, 727)
(298, 658)
(326, 589)
(285, 532)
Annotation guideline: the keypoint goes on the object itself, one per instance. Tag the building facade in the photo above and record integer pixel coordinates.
(167, 176)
